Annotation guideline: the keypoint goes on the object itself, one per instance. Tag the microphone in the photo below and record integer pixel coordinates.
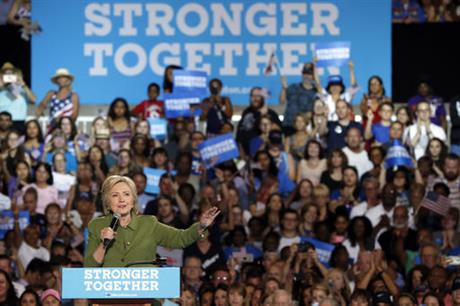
(113, 225)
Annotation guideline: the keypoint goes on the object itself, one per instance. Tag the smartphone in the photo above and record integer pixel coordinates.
(10, 78)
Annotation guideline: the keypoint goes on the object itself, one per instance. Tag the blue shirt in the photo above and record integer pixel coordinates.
(299, 100)
(381, 133)
(16, 105)
(71, 161)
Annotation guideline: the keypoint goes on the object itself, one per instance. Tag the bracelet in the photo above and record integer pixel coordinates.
(202, 227)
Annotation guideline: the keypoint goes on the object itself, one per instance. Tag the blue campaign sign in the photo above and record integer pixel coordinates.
(332, 54)
(7, 221)
(194, 83)
(116, 48)
(119, 283)
(398, 156)
(218, 149)
(323, 249)
(178, 104)
(158, 128)
(153, 179)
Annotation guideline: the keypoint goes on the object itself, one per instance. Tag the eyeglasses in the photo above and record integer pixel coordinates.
(423, 110)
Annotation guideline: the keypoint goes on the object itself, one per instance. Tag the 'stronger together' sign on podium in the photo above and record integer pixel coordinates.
(120, 283)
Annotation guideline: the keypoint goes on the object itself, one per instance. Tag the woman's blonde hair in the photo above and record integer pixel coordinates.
(321, 190)
(108, 185)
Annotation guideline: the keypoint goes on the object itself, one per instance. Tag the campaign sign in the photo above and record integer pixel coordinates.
(218, 149)
(118, 47)
(153, 179)
(120, 283)
(7, 221)
(178, 104)
(323, 249)
(158, 128)
(332, 54)
(398, 156)
(192, 82)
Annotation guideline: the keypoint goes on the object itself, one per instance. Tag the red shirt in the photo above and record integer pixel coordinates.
(149, 108)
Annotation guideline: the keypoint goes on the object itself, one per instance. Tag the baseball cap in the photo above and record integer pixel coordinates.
(275, 137)
(51, 292)
(381, 297)
(334, 80)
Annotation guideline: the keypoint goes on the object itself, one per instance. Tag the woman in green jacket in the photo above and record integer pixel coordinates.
(138, 236)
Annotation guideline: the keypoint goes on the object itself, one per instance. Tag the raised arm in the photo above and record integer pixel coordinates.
(76, 106)
(368, 130)
(41, 107)
(353, 81)
(316, 77)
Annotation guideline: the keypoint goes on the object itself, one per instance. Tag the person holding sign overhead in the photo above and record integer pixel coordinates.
(137, 237)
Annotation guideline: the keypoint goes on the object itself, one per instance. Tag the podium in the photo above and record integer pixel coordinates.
(121, 286)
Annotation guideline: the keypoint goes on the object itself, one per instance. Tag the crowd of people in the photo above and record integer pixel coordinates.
(317, 210)
(420, 11)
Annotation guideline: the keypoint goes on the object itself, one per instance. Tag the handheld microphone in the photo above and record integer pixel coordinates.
(113, 225)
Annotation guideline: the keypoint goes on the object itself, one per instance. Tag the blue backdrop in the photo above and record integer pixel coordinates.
(117, 49)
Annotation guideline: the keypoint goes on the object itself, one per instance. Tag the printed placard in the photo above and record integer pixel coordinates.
(332, 54)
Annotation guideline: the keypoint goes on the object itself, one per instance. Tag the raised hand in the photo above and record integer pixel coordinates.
(207, 218)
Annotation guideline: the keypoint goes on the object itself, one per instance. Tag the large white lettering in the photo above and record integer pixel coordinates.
(245, 55)
(172, 49)
(255, 60)
(328, 21)
(139, 53)
(221, 15)
(292, 64)
(291, 12)
(203, 19)
(267, 23)
(126, 11)
(228, 51)
(195, 57)
(159, 16)
(98, 22)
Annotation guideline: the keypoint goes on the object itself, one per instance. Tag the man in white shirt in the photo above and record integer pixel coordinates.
(372, 208)
(30, 247)
(357, 156)
(419, 134)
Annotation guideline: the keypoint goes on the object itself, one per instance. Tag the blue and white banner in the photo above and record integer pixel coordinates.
(7, 221)
(120, 283)
(116, 48)
(194, 83)
(218, 149)
(323, 249)
(332, 54)
(158, 128)
(153, 179)
(397, 155)
(178, 105)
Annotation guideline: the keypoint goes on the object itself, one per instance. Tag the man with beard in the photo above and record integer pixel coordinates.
(399, 238)
(450, 169)
(247, 126)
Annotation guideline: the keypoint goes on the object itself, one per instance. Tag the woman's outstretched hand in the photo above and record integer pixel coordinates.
(208, 217)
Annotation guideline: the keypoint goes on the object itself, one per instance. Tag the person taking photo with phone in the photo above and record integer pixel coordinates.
(15, 95)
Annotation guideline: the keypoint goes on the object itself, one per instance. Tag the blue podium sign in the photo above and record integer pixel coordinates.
(120, 283)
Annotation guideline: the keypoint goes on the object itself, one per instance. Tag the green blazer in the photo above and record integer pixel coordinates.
(138, 241)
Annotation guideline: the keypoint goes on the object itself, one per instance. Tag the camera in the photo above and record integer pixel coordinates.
(305, 246)
(10, 78)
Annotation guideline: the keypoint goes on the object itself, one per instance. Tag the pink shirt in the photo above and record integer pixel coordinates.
(45, 196)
